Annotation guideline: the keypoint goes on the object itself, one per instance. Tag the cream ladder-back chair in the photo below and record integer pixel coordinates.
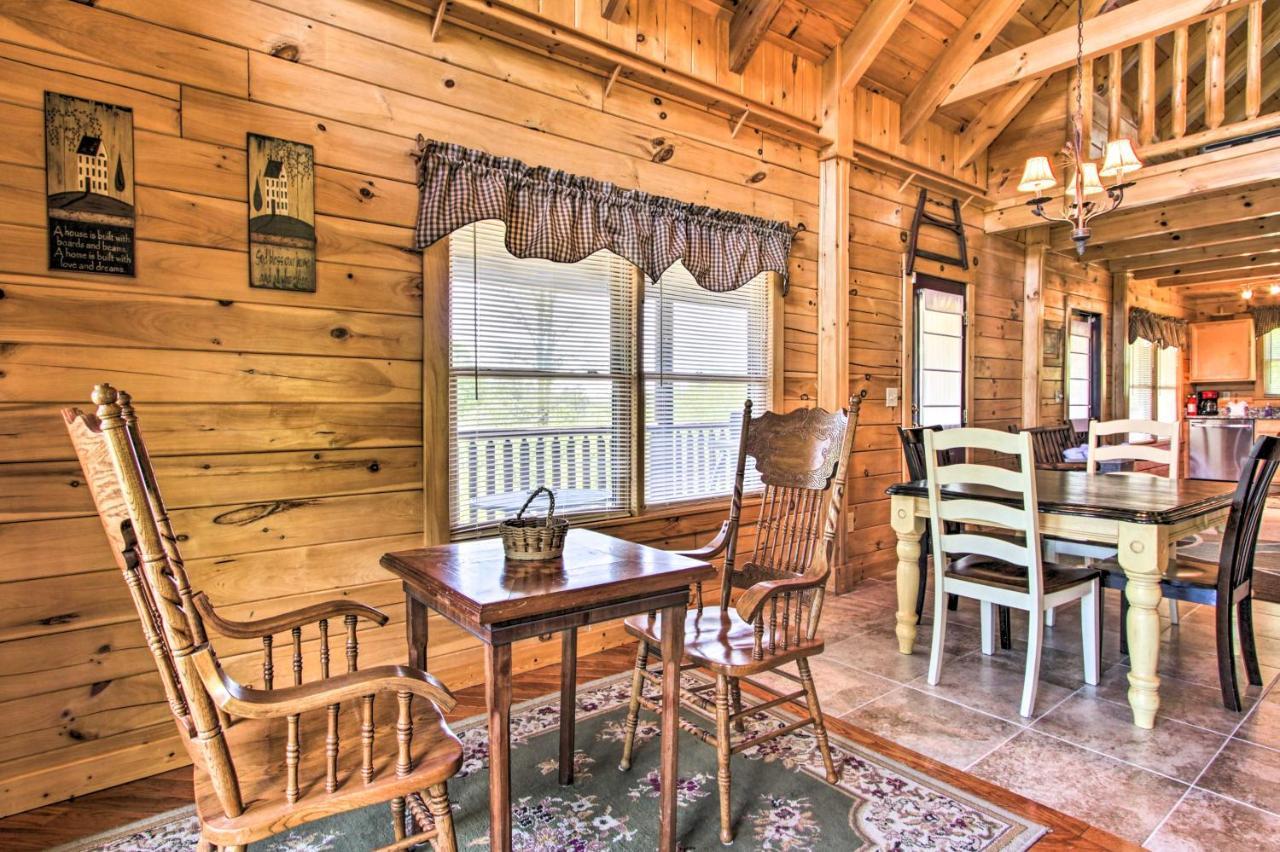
(1000, 563)
(265, 760)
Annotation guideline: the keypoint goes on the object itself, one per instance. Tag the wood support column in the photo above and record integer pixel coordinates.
(1120, 282)
(1033, 325)
(435, 393)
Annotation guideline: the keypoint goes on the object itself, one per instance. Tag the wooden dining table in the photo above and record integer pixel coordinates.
(500, 601)
(1141, 516)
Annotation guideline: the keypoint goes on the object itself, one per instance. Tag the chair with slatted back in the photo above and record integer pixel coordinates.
(1051, 443)
(255, 775)
(1100, 452)
(802, 459)
(997, 557)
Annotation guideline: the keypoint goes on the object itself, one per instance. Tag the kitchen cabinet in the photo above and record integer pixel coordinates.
(1222, 351)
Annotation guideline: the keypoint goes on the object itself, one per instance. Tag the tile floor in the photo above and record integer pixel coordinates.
(1204, 778)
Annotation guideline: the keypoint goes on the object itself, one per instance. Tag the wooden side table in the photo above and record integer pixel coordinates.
(598, 578)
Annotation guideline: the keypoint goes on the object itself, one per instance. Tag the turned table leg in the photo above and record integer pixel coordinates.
(568, 701)
(415, 628)
(909, 528)
(497, 695)
(1142, 550)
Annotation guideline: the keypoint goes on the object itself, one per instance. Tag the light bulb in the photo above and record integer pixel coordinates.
(1275, 289)
(1246, 293)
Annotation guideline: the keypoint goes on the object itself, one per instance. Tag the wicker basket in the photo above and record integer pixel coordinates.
(534, 539)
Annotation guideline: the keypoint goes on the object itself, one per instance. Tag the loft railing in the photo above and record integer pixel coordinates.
(1209, 89)
(494, 469)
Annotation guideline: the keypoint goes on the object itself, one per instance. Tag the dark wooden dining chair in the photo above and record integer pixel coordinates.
(802, 459)
(1228, 583)
(913, 449)
(1050, 443)
(255, 774)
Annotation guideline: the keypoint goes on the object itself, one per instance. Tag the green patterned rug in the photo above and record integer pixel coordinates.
(781, 800)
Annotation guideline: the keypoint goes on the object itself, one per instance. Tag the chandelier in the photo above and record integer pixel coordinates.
(1084, 176)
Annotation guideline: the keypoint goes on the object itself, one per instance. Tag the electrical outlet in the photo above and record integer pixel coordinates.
(891, 397)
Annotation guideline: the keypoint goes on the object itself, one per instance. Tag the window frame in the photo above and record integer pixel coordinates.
(1156, 386)
(911, 339)
(1096, 367)
(436, 413)
(1260, 384)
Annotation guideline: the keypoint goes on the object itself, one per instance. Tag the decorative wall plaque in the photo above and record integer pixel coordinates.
(89, 185)
(282, 214)
(1053, 344)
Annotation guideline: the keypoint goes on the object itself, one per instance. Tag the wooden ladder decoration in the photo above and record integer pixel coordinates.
(953, 226)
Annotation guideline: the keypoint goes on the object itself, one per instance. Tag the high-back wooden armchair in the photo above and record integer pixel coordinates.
(260, 768)
(802, 458)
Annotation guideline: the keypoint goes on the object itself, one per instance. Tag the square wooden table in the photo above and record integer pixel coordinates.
(502, 601)
(1141, 516)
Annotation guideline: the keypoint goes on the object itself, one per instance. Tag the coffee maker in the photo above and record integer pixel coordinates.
(1207, 403)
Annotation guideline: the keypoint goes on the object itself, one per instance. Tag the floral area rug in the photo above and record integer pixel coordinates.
(781, 800)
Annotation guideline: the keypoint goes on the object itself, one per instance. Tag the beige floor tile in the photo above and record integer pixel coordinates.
(1116, 796)
(1247, 772)
(1208, 822)
(875, 650)
(933, 726)
(1171, 748)
(993, 684)
(1183, 701)
(1262, 726)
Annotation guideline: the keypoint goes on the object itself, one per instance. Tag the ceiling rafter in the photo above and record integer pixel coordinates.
(869, 36)
(965, 47)
(1190, 243)
(1268, 254)
(751, 21)
(1241, 276)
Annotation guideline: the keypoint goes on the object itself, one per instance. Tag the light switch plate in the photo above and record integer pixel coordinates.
(891, 397)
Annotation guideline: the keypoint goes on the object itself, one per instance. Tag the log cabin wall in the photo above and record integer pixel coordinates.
(1069, 285)
(287, 427)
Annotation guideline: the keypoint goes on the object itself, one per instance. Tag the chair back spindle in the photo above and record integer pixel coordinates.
(1244, 521)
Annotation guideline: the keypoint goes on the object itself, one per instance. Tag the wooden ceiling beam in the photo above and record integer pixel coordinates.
(968, 44)
(1184, 179)
(1182, 244)
(1110, 31)
(1242, 276)
(1268, 255)
(614, 10)
(751, 20)
(869, 36)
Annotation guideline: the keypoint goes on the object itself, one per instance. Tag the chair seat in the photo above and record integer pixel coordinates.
(258, 749)
(721, 641)
(991, 572)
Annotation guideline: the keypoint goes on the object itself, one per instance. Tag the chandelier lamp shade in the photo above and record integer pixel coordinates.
(1080, 201)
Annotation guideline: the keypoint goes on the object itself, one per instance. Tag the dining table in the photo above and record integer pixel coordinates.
(501, 601)
(1142, 517)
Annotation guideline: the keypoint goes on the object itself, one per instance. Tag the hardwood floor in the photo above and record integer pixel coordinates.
(66, 821)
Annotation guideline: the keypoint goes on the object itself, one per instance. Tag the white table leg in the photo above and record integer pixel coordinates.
(1142, 551)
(910, 528)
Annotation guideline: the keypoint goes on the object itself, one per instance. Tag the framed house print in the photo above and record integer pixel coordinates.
(282, 214)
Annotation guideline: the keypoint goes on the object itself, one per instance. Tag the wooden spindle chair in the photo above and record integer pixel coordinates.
(802, 459)
(237, 736)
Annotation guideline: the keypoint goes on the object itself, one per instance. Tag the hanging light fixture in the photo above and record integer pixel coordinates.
(1246, 293)
(1085, 178)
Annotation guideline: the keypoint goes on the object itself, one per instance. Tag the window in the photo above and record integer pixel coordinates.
(1084, 369)
(1152, 382)
(548, 377)
(939, 352)
(1271, 363)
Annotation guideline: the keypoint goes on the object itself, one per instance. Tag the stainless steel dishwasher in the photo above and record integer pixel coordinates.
(1219, 446)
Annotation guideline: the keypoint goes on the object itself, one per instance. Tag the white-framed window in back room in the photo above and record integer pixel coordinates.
(938, 383)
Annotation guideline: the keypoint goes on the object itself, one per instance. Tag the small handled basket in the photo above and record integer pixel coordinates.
(534, 539)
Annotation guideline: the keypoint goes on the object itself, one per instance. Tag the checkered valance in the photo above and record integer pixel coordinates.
(1163, 331)
(563, 217)
(1266, 319)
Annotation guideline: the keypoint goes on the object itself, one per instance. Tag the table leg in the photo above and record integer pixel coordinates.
(497, 696)
(415, 628)
(1142, 550)
(909, 528)
(568, 701)
(672, 652)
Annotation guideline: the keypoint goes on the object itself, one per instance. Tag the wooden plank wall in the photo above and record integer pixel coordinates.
(1069, 284)
(286, 427)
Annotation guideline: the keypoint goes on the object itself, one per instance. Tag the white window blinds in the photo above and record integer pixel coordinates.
(1080, 357)
(541, 380)
(1167, 363)
(704, 354)
(1141, 380)
(939, 357)
(1271, 363)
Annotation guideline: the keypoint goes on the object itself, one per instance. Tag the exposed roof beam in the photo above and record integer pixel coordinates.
(614, 10)
(1236, 66)
(969, 43)
(1268, 254)
(1113, 30)
(992, 121)
(751, 20)
(1243, 275)
(1187, 178)
(869, 35)
(1191, 243)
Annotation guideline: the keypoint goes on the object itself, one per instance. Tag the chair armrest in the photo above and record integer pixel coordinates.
(286, 621)
(249, 703)
(713, 548)
(752, 601)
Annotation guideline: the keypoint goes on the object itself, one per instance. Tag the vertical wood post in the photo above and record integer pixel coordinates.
(1115, 90)
(1253, 62)
(1215, 70)
(1147, 92)
(435, 393)
(1178, 93)
(1120, 282)
(1032, 324)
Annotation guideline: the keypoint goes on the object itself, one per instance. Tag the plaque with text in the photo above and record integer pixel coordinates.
(282, 214)
(89, 185)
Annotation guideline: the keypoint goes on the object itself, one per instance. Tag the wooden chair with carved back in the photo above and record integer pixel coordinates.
(256, 774)
(802, 459)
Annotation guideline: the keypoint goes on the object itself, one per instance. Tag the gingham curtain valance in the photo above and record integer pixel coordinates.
(1265, 319)
(1163, 331)
(558, 216)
